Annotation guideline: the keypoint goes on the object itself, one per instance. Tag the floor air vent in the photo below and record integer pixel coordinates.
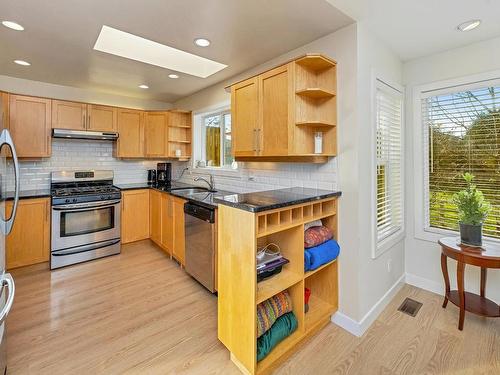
(410, 307)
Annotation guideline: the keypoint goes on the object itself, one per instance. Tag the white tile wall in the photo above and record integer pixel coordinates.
(85, 154)
(81, 155)
(267, 176)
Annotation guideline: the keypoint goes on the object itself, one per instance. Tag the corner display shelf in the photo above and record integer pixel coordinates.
(179, 134)
(239, 292)
(316, 101)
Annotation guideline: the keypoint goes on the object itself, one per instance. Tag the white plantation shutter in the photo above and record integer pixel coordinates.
(389, 183)
(461, 134)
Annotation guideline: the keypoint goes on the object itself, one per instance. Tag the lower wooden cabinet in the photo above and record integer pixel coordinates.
(29, 241)
(155, 216)
(167, 219)
(135, 215)
(179, 239)
(152, 214)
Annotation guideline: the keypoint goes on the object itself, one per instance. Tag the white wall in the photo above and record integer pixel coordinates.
(374, 59)
(423, 257)
(49, 90)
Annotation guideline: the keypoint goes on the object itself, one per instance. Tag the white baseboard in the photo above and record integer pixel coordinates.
(426, 284)
(359, 328)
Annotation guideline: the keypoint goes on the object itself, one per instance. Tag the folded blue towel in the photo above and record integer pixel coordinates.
(315, 257)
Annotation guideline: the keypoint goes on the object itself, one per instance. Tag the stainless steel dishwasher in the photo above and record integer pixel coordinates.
(200, 232)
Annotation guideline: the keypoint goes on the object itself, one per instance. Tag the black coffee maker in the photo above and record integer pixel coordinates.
(164, 173)
(151, 176)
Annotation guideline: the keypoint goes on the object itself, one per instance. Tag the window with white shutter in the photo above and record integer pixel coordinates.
(389, 177)
(461, 134)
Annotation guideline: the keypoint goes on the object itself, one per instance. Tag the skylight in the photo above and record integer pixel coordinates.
(134, 47)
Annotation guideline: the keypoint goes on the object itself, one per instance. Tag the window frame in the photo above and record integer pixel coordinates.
(199, 141)
(381, 246)
(422, 228)
(203, 144)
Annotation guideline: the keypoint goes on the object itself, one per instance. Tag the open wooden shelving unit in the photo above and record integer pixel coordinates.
(180, 134)
(315, 103)
(239, 292)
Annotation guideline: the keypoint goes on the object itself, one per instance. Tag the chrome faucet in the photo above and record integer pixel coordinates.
(211, 183)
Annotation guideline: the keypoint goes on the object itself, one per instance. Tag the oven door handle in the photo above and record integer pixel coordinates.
(84, 248)
(85, 206)
(7, 283)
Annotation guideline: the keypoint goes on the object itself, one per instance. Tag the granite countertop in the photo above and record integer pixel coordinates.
(206, 199)
(23, 194)
(272, 199)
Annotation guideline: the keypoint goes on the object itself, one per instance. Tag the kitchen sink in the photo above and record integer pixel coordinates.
(194, 190)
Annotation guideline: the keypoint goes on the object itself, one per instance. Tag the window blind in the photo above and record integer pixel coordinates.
(389, 197)
(462, 132)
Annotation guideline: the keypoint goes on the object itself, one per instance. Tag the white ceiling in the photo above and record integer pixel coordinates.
(416, 28)
(59, 37)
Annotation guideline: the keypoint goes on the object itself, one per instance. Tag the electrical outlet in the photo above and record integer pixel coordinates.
(389, 265)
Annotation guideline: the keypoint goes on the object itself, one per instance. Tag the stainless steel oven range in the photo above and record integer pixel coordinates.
(85, 217)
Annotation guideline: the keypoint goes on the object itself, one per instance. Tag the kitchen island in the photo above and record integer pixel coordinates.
(248, 222)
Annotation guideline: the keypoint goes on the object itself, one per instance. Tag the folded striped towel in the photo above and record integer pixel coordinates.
(271, 309)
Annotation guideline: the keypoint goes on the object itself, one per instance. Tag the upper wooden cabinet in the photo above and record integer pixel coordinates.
(130, 126)
(28, 243)
(156, 134)
(101, 118)
(81, 116)
(142, 134)
(69, 115)
(4, 110)
(30, 125)
(276, 114)
(244, 117)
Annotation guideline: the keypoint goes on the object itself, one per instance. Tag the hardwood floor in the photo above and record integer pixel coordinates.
(139, 313)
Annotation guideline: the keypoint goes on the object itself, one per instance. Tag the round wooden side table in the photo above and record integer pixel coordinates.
(487, 256)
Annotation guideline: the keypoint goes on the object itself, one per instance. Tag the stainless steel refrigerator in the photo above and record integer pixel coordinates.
(7, 286)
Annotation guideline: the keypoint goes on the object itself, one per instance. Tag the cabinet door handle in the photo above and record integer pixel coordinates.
(255, 140)
(84, 119)
(258, 140)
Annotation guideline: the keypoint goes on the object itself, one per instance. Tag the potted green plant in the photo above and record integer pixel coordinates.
(472, 210)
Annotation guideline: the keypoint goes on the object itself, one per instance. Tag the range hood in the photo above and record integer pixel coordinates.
(84, 134)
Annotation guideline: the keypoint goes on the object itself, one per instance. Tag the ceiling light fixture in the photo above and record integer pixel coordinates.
(174, 76)
(143, 86)
(130, 46)
(469, 25)
(22, 62)
(13, 25)
(202, 42)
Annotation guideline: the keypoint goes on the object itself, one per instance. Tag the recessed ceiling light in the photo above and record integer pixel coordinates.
(173, 76)
(12, 25)
(202, 42)
(130, 46)
(143, 86)
(22, 62)
(469, 25)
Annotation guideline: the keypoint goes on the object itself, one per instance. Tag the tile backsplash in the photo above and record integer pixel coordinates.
(267, 176)
(80, 155)
(85, 154)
